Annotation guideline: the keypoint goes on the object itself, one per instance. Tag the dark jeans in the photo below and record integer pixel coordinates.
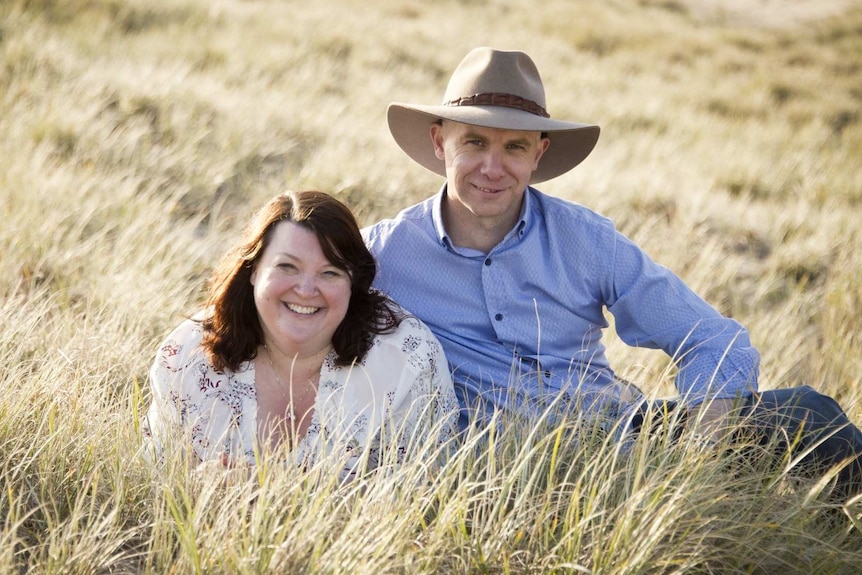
(799, 419)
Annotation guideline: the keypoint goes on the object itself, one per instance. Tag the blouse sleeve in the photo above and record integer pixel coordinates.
(171, 405)
(193, 406)
(421, 409)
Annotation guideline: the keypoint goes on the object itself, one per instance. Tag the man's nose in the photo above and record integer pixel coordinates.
(492, 164)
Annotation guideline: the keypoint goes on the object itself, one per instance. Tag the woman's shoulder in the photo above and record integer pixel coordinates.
(189, 331)
(182, 344)
(410, 336)
(408, 323)
(181, 360)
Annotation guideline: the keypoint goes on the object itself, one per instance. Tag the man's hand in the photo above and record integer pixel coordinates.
(711, 418)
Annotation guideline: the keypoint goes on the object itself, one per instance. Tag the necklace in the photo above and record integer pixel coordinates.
(291, 413)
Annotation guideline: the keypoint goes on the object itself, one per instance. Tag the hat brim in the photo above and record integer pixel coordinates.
(571, 142)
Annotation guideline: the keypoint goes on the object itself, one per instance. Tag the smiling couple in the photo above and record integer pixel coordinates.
(511, 284)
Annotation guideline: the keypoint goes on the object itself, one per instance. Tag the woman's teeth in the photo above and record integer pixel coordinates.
(305, 310)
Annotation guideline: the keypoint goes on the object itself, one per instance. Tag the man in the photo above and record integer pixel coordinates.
(514, 283)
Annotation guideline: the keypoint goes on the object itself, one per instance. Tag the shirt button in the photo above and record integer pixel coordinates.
(488, 262)
(498, 317)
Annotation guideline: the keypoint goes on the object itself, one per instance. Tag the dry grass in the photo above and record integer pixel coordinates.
(137, 137)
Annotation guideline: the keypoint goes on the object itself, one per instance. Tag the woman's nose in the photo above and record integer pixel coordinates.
(306, 285)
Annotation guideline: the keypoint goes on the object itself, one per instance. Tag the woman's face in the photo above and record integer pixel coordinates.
(301, 298)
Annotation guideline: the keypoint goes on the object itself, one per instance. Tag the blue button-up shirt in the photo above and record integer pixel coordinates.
(523, 323)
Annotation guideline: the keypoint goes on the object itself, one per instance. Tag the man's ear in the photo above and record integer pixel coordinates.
(544, 144)
(437, 140)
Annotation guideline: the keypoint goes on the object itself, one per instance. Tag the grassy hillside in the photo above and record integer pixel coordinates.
(136, 137)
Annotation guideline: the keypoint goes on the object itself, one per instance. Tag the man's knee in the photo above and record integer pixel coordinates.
(802, 403)
(823, 405)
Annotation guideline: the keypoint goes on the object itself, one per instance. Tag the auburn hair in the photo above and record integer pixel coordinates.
(232, 330)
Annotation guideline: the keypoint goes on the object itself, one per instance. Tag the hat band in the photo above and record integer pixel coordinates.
(500, 99)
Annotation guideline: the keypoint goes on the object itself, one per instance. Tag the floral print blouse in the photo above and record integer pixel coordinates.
(402, 391)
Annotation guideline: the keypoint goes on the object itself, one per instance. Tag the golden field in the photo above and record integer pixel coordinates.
(137, 137)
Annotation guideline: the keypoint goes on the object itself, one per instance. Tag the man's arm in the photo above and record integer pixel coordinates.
(653, 308)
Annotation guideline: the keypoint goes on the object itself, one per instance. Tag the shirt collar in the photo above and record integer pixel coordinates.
(437, 216)
(519, 227)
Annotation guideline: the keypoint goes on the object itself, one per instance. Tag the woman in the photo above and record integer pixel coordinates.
(295, 349)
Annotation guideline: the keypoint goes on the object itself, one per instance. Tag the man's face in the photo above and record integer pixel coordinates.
(487, 169)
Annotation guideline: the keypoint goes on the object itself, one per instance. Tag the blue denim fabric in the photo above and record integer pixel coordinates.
(821, 426)
(798, 419)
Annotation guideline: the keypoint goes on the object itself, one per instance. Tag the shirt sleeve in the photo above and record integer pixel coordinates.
(164, 415)
(421, 409)
(178, 379)
(435, 406)
(653, 308)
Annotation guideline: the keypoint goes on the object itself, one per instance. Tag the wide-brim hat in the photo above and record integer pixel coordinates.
(493, 89)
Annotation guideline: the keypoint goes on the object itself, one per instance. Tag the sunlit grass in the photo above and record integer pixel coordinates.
(138, 137)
